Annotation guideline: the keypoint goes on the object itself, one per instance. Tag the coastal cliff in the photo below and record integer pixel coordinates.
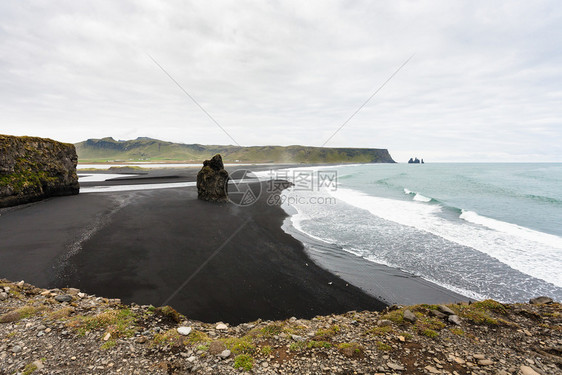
(148, 149)
(33, 168)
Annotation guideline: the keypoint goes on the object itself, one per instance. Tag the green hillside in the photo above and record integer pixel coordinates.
(148, 149)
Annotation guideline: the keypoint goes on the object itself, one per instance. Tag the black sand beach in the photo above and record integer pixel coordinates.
(142, 246)
(145, 247)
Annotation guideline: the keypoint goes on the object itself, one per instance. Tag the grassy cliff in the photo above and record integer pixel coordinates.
(148, 149)
(33, 168)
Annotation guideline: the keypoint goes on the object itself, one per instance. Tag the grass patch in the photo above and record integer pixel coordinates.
(380, 331)
(108, 345)
(29, 368)
(430, 333)
(271, 330)
(243, 345)
(119, 323)
(383, 347)
(476, 315)
(170, 337)
(65, 312)
(20, 313)
(490, 305)
(244, 361)
(351, 349)
(425, 322)
(203, 347)
(168, 312)
(266, 350)
(297, 346)
(318, 344)
(396, 316)
(196, 337)
(326, 334)
(457, 331)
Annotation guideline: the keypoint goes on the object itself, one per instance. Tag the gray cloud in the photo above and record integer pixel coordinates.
(485, 83)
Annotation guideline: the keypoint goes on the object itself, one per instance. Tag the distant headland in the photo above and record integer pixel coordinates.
(154, 150)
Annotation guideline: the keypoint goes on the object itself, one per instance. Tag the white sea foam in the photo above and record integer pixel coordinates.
(420, 198)
(98, 177)
(531, 252)
(116, 188)
(513, 229)
(417, 196)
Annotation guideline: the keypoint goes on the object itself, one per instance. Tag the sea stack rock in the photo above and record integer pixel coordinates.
(212, 181)
(33, 168)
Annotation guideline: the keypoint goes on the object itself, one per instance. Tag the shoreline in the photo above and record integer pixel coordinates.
(387, 284)
(141, 246)
(77, 241)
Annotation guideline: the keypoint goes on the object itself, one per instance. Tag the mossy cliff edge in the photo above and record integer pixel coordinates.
(33, 168)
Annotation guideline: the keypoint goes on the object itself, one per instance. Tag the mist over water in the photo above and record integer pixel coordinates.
(482, 230)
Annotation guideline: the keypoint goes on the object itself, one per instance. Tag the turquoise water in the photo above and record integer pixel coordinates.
(483, 230)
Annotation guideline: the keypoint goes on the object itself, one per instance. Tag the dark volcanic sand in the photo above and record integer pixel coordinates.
(141, 246)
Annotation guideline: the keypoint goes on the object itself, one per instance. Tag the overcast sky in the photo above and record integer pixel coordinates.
(484, 84)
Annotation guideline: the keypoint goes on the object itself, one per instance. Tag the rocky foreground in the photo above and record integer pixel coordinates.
(69, 332)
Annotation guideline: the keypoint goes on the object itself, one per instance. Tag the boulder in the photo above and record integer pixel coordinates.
(410, 316)
(33, 168)
(454, 319)
(445, 310)
(540, 300)
(212, 181)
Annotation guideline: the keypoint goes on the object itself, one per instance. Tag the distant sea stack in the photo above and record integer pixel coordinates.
(33, 168)
(212, 181)
(415, 161)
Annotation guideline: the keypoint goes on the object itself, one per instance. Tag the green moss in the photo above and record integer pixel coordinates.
(490, 305)
(318, 344)
(29, 369)
(396, 316)
(430, 333)
(244, 361)
(457, 331)
(380, 331)
(425, 322)
(171, 337)
(297, 346)
(196, 337)
(383, 347)
(65, 312)
(326, 334)
(168, 312)
(243, 345)
(475, 314)
(271, 330)
(108, 345)
(350, 349)
(266, 350)
(118, 323)
(20, 313)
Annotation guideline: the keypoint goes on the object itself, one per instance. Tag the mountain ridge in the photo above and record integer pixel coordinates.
(149, 149)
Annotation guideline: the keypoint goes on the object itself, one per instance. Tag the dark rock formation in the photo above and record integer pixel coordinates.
(414, 161)
(33, 168)
(212, 181)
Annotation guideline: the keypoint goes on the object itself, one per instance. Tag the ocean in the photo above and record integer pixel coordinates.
(482, 230)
